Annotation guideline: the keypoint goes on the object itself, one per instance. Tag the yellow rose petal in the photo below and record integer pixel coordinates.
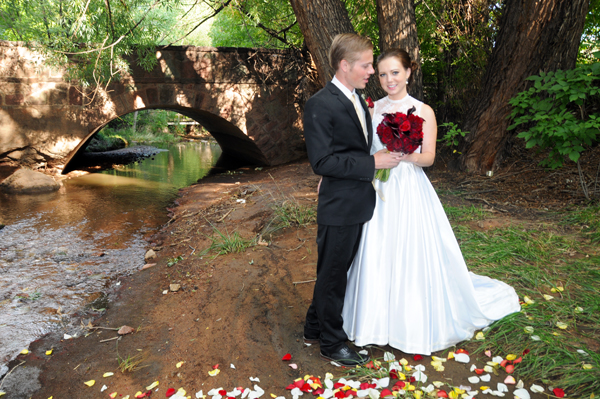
(108, 374)
(587, 366)
(126, 397)
(90, 383)
(488, 369)
(113, 395)
(49, 352)
(561, 325)
(401, 376)
(479, 336)
(152, 386)
(557, 289)
(178, 365)
(214, 372)
(138, 393)
(548, 297)
(528, 300)
(450, 355)
(484, 387)
(418, 394)
(24, 352)
(403, 361)
(2, 393)
(273, 395)
(329, 376)
(511, 356)
(438, 359)
(578, 309)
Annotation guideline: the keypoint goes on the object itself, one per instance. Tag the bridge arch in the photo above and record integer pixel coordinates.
(246, 98)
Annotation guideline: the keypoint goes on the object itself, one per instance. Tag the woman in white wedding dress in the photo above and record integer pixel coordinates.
(409, 286)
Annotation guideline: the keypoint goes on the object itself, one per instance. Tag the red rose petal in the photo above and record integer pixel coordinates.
(416, 358)
(318, 391)
(340, 394)
(350, 392)
(526, 351)
(412, 379)
(479, 371)
(170, 392)
(503, 363)
(306, 388)
(216, 366)
(400, 384)
(291, 386)
(517, 360)
(510, 368)
(299, 383)
(558, 392)
(287, 356)
(222, 392)
(442, 394)
(385, 392)
(462, 351)
(338, 385)
(393, 374)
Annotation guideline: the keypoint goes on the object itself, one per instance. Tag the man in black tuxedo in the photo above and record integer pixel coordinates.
(338, 133)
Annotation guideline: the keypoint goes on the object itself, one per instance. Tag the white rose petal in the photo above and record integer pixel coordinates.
(474, 379)
(485, 378)
(462, 358)
(521, 394)
(536, 389)
(388, 356)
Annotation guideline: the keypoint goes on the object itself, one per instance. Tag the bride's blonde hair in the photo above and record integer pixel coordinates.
(404, 59)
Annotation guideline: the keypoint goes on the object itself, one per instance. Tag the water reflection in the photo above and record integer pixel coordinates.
(60, 250)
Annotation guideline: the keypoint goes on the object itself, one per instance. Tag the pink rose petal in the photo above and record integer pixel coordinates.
(294, 366)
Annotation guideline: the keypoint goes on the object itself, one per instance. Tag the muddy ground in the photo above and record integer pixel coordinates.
(243, 310)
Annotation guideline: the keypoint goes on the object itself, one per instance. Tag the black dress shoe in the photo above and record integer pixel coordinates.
(345, 356)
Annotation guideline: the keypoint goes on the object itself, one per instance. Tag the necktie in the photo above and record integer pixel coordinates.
(360, 114)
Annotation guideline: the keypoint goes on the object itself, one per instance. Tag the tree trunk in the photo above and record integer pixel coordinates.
(398, 28)
(320, 21)
(534, 36)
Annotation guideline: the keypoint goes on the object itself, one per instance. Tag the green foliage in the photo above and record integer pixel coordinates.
(174, 261)
(290, 213)
(588, 219)
(151, 126)
(554, 112)
(245, 24)
(452, 136)
(223, 243)
(589, 48)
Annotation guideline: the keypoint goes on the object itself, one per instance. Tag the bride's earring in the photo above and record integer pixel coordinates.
(407, 82)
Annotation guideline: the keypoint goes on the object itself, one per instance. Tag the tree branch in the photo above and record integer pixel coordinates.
(216, 11)
(269, 31)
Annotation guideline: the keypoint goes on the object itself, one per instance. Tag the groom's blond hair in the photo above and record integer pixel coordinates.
(347, 46)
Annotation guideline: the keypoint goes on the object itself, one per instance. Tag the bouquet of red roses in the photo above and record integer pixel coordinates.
(400, 133)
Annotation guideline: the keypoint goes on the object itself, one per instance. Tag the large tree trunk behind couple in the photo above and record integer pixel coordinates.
(534, 36)
(321, 20)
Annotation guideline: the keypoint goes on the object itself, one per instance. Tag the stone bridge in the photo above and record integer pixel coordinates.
(246, 98)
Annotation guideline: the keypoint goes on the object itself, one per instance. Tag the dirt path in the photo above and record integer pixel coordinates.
(242, 310)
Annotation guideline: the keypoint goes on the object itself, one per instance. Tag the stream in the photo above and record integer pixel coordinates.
(60, 252)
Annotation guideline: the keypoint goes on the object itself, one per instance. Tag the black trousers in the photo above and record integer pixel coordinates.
(337, 246)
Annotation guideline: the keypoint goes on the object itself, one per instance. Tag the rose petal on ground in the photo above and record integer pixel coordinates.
(363, 352)
(485, 378)
(474, 379)
(536, 388)
(416, 358)
(254, 379)
(561, 325)
(294, 366)
(488, 369)
(90, 383)
(420, 376)
(216, 366)
(462, 358)
(488, 353)
(178, 365)
(49, 352)
(199, 394)
(528, 300)
(520, 384)
(528, 330)
(286, 357)
(104, 388)
(509, 369)
(480, 336)
(214, 372)
(510, 380)
(385, 392)
(420, 367)
(152, 386)
(170, 392)
(502, 387)
(578, 309)
(442, 394)
(521, 394)
(558, 392)
(389, 357)
(511, 356)
(587, 366)
(548, 297)
(108, 374)
(536, 338)
(450, 355)
(113, 395)
(24, 352)
(428, 389)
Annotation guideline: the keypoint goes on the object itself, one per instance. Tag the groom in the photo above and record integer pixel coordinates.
(338, 133)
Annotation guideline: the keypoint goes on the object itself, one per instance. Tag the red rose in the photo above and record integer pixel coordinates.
(405, 126)
(370, 103)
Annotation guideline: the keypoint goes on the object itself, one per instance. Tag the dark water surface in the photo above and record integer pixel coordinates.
(60, 251)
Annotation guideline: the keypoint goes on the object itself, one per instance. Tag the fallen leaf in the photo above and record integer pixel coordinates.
(174, 287)
(125, 330)
(286, 357)
(90, 383)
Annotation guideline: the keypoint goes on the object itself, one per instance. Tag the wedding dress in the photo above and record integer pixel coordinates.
(409, 286)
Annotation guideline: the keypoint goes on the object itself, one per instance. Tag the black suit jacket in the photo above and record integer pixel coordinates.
(338, 151)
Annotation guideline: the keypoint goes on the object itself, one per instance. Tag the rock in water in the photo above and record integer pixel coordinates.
(25, 181)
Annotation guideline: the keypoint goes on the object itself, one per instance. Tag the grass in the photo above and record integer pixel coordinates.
(224, 242)
(538, 261)
(290, 213)
(131, 363)
(464, 213)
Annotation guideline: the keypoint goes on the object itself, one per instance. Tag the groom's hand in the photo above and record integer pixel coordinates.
(386, 160)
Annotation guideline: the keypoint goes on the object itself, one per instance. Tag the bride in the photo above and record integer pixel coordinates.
(409, 286)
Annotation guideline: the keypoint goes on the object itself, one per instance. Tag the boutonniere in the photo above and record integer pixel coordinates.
(370, 103)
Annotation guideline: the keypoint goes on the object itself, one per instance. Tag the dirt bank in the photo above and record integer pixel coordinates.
(239, 313)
